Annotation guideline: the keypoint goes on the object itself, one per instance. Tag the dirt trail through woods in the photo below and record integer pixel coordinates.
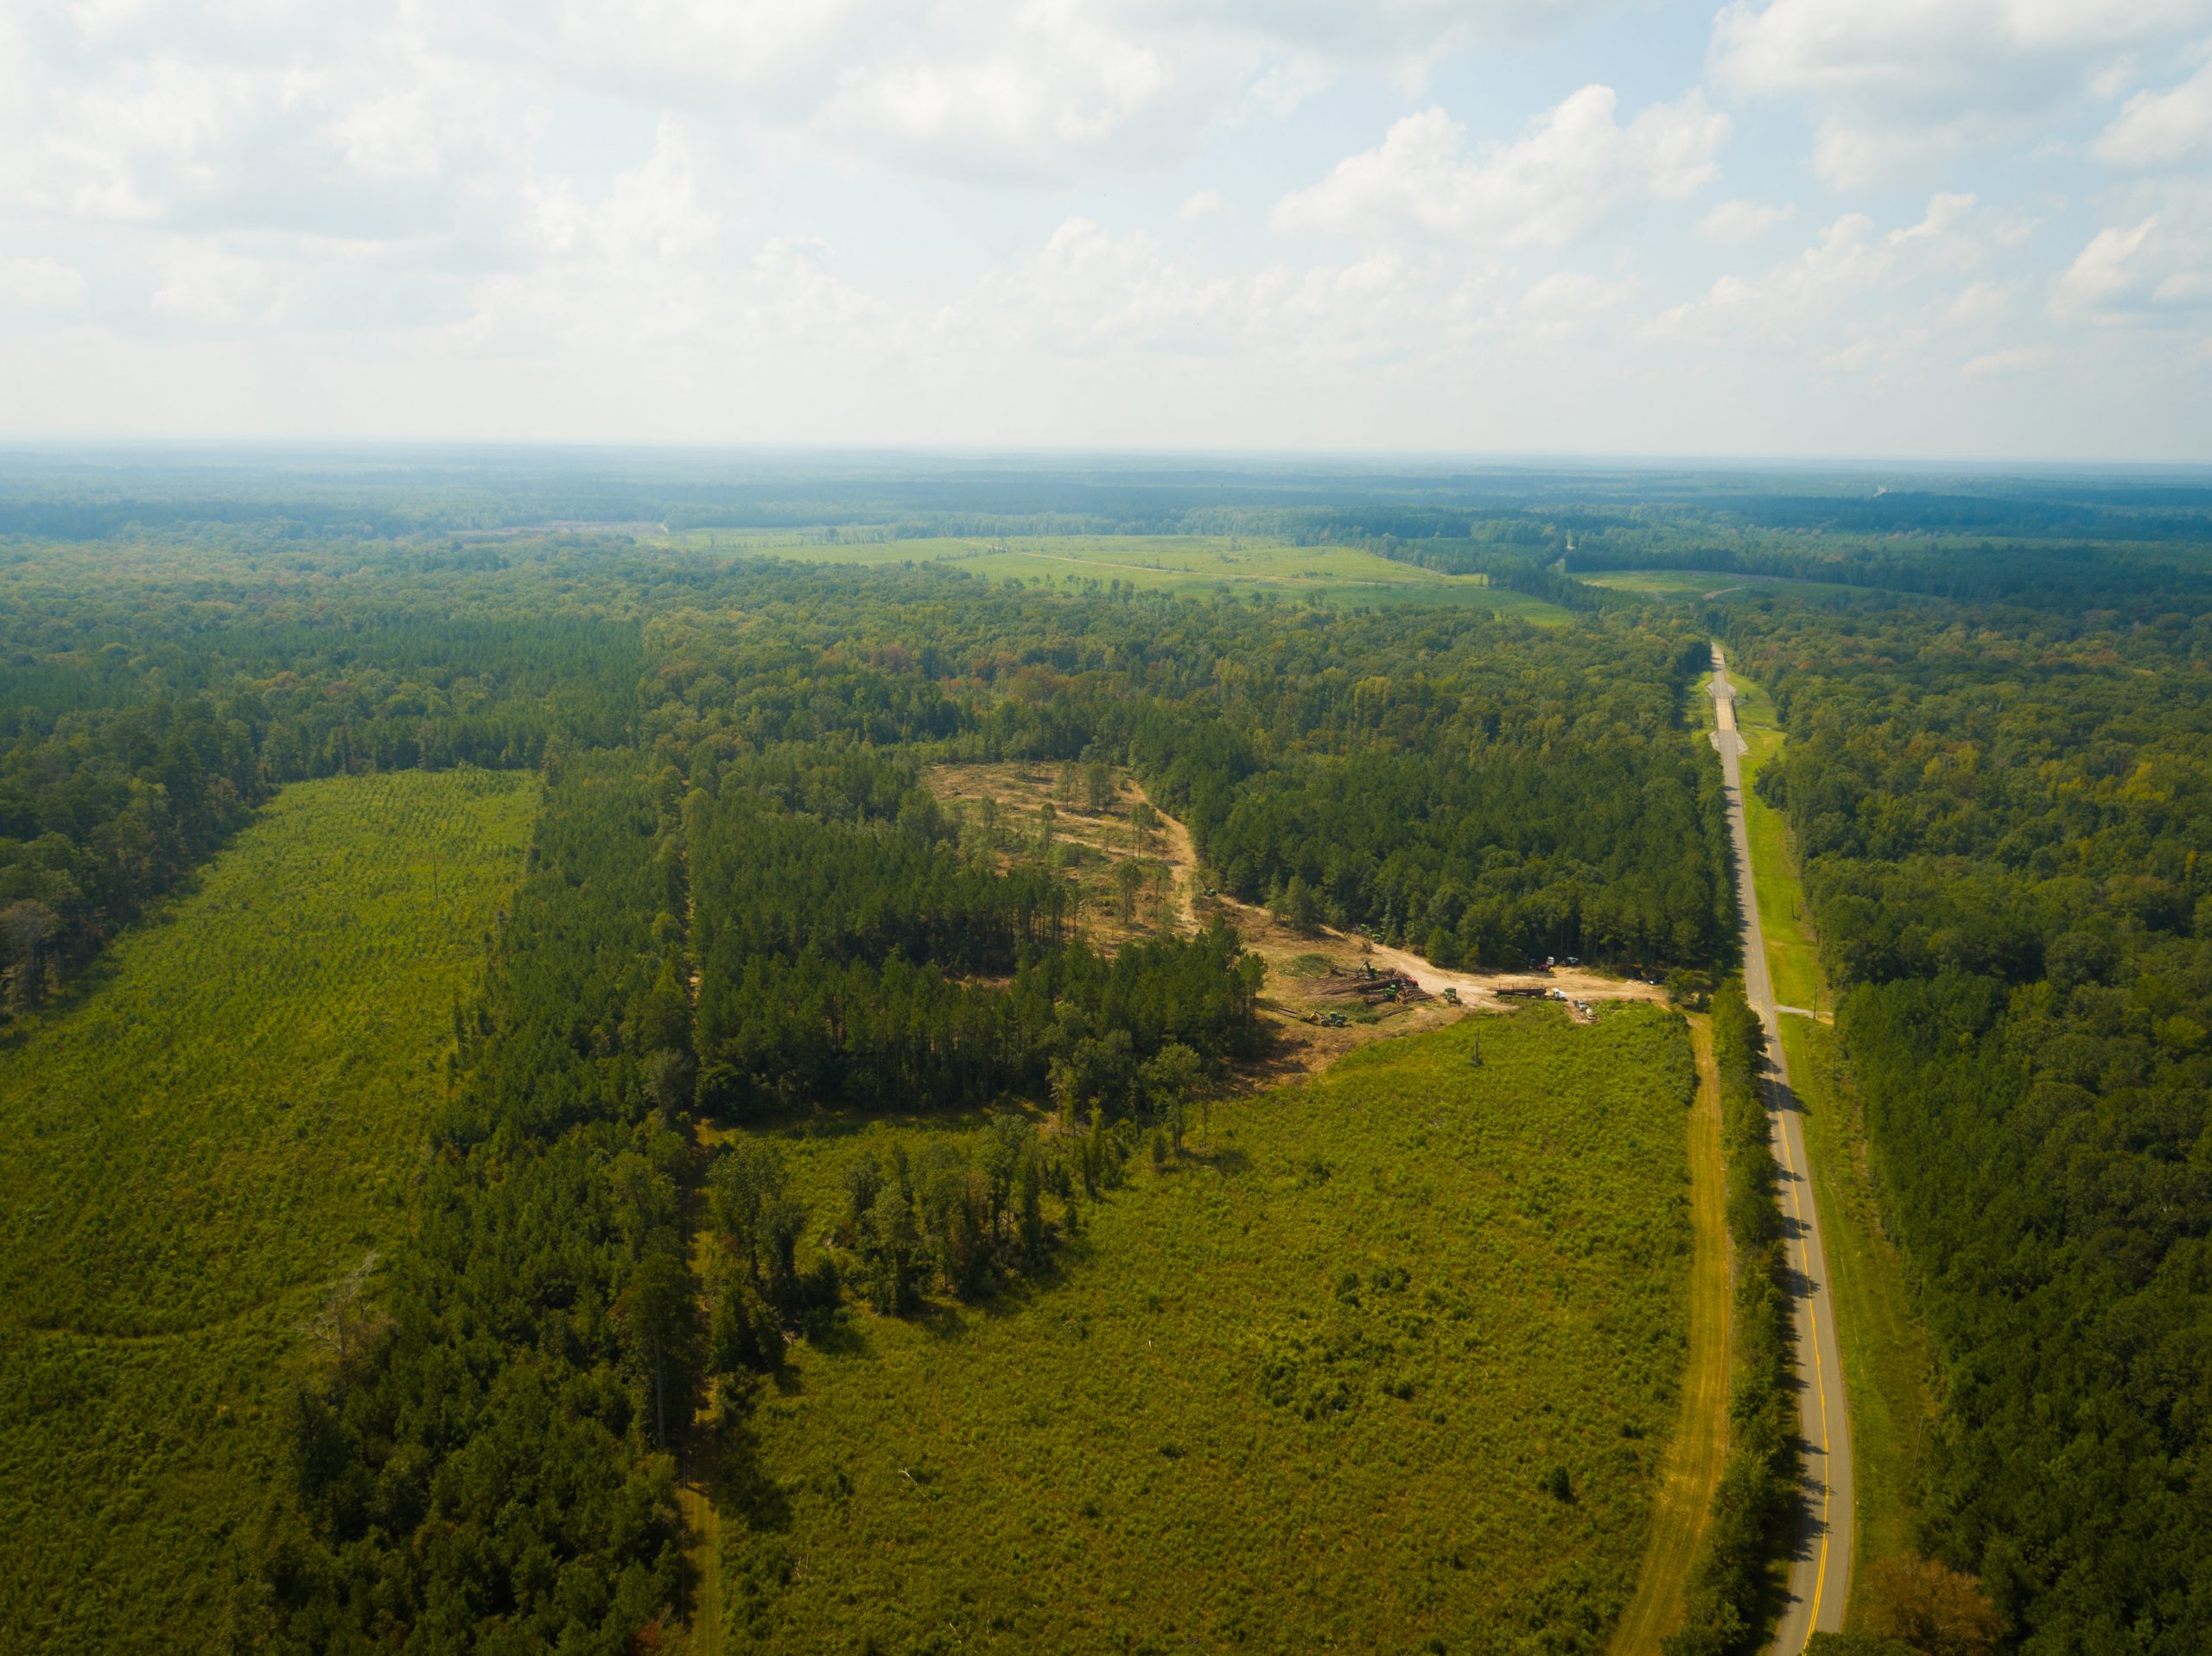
(1682, 1508)
(1182, 858)
(1475, 989)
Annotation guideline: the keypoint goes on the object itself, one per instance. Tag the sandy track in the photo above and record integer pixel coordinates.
(1475, 989)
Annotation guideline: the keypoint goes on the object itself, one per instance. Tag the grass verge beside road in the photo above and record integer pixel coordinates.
(1887, 1362)
(1792, 954)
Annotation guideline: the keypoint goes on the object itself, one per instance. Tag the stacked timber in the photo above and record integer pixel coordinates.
(1371, 986)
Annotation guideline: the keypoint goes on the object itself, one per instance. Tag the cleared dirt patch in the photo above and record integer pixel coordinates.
(1125, 860)
(1321, 992)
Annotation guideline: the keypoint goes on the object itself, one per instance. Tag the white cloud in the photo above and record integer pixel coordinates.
(201, 284)
(2145, 273)
(643, 263)
(2012, 359)
(855, 219)
(1087, 292)
(2161, 128)
(40, 284)
(1004, 89)
(1567, 304)
(1982, 304)
(1738, 223)
(281, 113)
(1848, 259)
(1574, 291)
(1573, 170)
(2101, 274)
(1900, 87)
(1823, 293)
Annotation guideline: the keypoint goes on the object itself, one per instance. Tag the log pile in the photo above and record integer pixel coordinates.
(1371, 986)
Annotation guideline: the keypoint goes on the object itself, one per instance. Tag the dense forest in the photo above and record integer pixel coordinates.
(2001, 814)
(744, 906)
(741, 902)
(145, 715)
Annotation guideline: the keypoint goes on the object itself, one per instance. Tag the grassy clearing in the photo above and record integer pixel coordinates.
(1394, 1357)
(1690, 585)
(1888, 1363)
(201, 1151)
(1683, 1508)
(1183, 563)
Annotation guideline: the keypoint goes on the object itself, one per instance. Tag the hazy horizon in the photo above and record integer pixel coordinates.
(1791, 231)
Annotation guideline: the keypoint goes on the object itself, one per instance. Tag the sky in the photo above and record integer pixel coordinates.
(1948, 229)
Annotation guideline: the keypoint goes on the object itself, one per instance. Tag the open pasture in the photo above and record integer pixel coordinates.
(1387, 1360)
(1200, 564)
(1690, 585)
(206, 1154)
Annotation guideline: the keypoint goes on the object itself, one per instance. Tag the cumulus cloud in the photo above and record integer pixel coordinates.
(643, 261)
(1738, 223)
(1824, 292)
(40, 284)
(618, 217)
(2012, 359)
(1574, 169)
(286, 115)
(1899, 86)
(2158, 269)
(201, 284)
(1087, 291)
(1848, 258)
(2162, 129)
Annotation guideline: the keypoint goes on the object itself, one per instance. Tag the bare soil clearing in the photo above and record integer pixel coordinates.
(1171, 893)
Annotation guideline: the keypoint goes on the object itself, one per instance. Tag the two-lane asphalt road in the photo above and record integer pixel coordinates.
(1820, 1573)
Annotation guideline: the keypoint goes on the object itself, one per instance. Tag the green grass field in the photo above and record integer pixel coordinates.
(1888, 1363)
(219, 1131)
(1183, 563)
(1690, 585)
(1305, 1389)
